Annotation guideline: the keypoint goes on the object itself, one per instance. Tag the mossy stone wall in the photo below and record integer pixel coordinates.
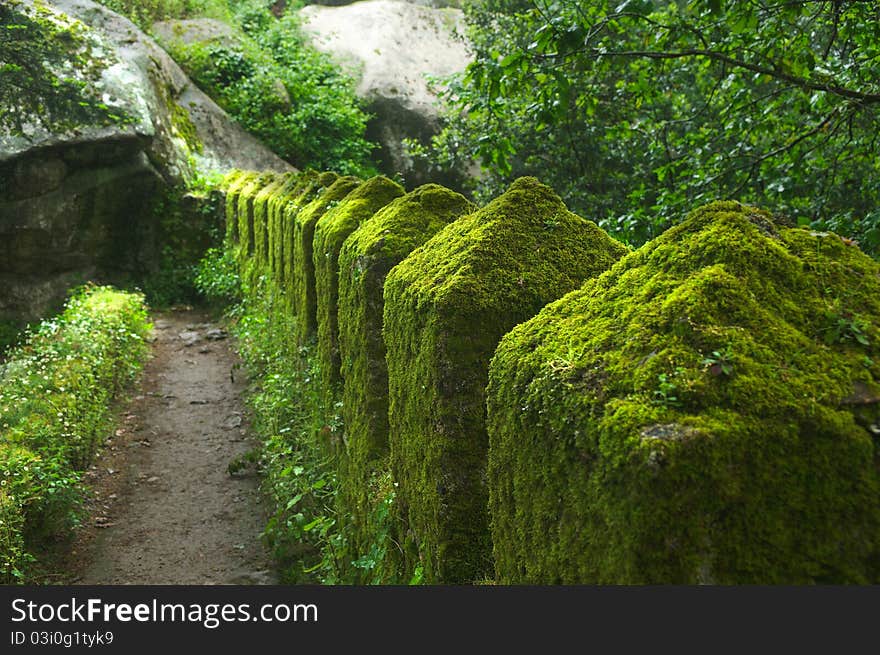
(366, 257)
(446, 307)
(706, 409)
(705, 412)
(233, 184)
(261, 222)
(331, 231)
(304, 300)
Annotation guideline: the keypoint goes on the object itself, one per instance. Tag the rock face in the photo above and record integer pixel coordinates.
(78, 203)
(390, 47)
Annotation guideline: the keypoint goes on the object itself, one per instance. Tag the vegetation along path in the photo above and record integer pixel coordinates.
(166, 509)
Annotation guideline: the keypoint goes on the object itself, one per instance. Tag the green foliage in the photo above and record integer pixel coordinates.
(146, 12)
(633, 111)
(55, 391)
(190, 223)
(48, 72)
(217, 278)
(282, 91)
(447, 306)
(764, 473)
(297, 431)
(667, 390)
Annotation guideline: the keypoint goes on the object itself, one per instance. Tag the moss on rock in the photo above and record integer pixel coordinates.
(331, 231)
(245, 215)
(303, 284)
(366, 257)
(260, 263)
(446, 307)
(274, 217)
(312, 185)
(287, 204)
(231, 186)
(706, 411)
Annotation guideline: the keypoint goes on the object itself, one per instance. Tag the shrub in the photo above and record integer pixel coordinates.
(55, 391)
(284, 92)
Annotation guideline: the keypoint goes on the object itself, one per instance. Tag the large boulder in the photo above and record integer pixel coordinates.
(708, 411)
(81, 189)
(390, 47)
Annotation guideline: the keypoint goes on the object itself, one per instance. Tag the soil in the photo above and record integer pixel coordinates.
(165, 508)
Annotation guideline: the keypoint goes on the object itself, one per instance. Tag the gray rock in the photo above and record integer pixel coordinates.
(390, 47)
(77, 204)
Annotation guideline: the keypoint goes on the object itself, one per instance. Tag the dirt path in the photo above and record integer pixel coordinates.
(166, 511)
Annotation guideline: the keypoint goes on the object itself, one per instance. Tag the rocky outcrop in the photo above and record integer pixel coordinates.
(391, 47)
(78, 201)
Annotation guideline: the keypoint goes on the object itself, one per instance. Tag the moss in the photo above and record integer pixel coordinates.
(246, 230)
(366, 257)
(703, 412)
(269, 190)
(303, 283)
(51, 69)
(300, 196)
(231, 186)
(446, 307)
(278, 208)
(331, 231)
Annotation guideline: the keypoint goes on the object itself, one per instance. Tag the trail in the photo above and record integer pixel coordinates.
(165, 509)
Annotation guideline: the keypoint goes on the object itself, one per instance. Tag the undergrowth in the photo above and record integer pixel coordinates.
(55, 393)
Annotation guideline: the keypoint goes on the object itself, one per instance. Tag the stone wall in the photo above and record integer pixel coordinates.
(554, 408)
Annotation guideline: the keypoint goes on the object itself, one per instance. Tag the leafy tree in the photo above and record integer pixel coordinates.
(637, 111)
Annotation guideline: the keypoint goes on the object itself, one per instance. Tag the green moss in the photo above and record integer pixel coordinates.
(246, 230)
(446, 307)
(293, 184)
(231, 186)
(303, 283)
(297, 198)
(261, 200)
(366, 257)
(51, 71)
(331, 231)
(706, 411)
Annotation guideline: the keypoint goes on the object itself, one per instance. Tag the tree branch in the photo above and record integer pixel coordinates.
(835, 89)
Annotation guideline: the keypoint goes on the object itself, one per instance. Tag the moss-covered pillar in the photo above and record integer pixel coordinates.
(303, 300)
(231, 186)
(706, 412)
(311, 184)
(446, 307)
(331, 231)
(274, 212)
(246, 217)
(261, 224)
(366, 257)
